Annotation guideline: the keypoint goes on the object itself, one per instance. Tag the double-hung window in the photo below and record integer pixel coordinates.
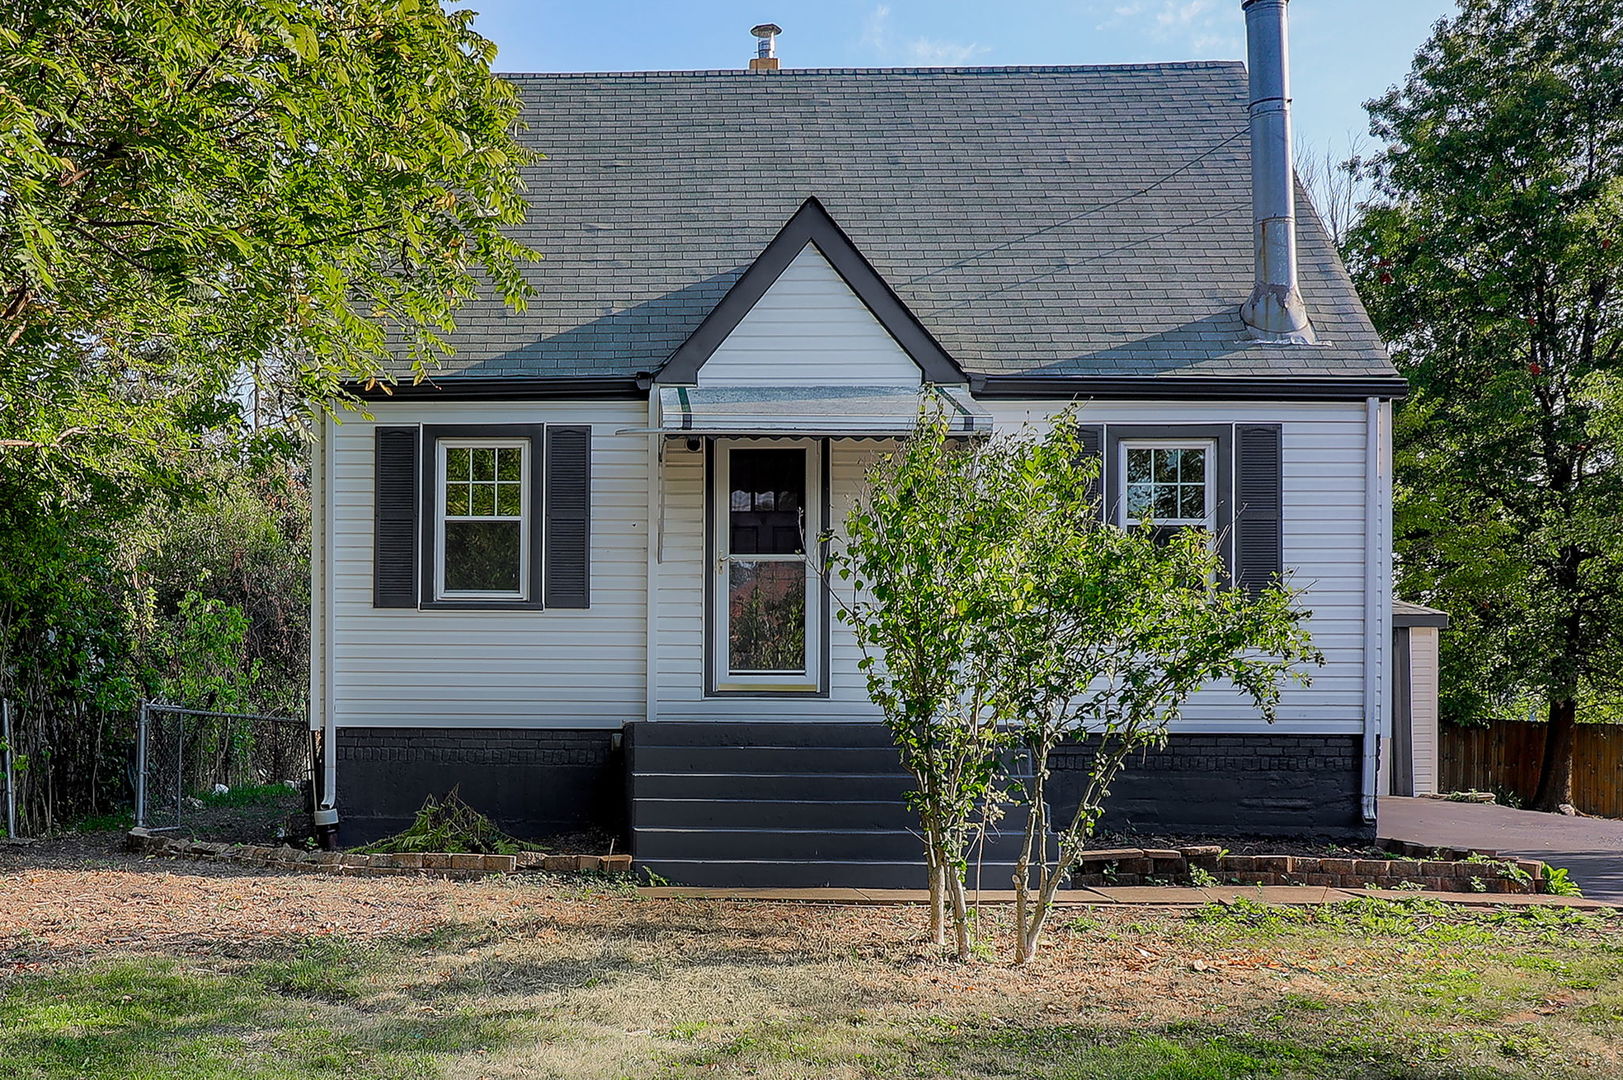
(483, 519)
(1172, 483)
(476, 517)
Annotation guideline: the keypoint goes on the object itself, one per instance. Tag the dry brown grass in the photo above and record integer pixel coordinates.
(573, 980)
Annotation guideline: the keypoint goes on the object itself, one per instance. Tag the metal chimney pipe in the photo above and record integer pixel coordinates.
(1275, 313)
(766, 47)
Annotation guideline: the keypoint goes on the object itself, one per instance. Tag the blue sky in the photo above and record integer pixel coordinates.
(1345, 51)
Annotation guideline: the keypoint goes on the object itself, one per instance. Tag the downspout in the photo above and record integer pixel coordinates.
(656, 551)
(1275, 314)
(1377, 592)
(321, 586)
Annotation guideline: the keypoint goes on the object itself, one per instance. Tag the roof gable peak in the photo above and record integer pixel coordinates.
(812, 224)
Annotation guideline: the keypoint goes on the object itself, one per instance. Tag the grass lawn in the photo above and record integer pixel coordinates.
(148, 970)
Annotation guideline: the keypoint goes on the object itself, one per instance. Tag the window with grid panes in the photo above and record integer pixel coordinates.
(1168, 483)
(484, 518)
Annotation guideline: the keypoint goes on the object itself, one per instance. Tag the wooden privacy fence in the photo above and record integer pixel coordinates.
(1505, 756)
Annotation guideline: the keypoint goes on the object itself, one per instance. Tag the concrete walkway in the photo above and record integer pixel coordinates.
(1590, 848)
(1125, 895)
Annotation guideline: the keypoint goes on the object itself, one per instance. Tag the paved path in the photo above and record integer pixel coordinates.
(1591, 848)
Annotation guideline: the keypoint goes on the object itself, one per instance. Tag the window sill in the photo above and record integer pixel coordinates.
(765, 689)
(480, 605)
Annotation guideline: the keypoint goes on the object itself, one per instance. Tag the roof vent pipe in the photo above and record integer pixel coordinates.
(766, 47)
(1275, 313)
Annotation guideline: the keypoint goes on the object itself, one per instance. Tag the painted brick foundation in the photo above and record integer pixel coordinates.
(531, 783)
(1260, 785)
(535, 783)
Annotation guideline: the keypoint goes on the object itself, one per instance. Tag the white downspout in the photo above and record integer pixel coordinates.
(1377, 590)
(656, 545)
(321, 696)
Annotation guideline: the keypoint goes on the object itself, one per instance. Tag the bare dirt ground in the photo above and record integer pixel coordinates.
(531, 976)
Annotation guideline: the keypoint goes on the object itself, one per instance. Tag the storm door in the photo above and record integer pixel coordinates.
(765, 598)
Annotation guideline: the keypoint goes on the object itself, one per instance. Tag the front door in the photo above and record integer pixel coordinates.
(765, 595)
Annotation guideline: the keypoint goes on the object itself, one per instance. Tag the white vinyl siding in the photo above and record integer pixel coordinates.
(1323, 508)
(809, 329)
(589, 668)
(1423, 690)
(394, 667)
(681, 584)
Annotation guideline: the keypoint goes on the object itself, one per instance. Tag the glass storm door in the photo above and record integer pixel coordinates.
(765, 595)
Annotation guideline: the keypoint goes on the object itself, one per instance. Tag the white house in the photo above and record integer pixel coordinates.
(565, 572)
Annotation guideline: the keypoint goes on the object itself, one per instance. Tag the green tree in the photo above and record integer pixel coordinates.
(198, 192)
(1490, 260)
(920, 555)
(996, 612)
(199, 199)
(1101, 635)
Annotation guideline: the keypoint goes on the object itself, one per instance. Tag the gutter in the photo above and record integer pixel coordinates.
(1191, 387)
(506, 388)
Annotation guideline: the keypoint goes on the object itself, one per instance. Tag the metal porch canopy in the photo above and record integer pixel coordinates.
(848, 411)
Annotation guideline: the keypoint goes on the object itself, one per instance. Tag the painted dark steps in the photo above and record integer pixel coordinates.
(782, 805)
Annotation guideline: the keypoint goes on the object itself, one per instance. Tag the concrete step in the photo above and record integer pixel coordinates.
(847, 814)
(773, 786)
(785, 874)
(643, 759)
(734, 734)
(899, 845)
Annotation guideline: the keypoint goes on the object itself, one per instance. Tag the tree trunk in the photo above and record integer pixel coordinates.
(1555, 772)
(960, 916)
(938, 896)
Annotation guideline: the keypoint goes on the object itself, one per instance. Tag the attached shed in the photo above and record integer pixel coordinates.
(1409, 758)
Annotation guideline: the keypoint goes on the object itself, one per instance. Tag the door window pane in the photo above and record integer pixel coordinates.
(764, 506)
(767, 616)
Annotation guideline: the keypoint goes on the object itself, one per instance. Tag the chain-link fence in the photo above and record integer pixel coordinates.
(222, 776)
(8, 768)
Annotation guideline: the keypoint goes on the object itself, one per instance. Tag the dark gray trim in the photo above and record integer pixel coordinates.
(1189, 387)
(708, 655)
(811, 224)
(1222, 434)
(1405, 619)
(396, 480)
(1400, 761)
(1091, 438)
(1259, 506)
(568, 519)
(506, 388)
(432, 433)
(826, 609)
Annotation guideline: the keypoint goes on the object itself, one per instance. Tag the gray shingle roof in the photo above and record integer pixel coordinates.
(1037, 220)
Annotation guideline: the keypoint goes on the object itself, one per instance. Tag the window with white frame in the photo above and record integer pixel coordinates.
(1171, 483)
(483, 521)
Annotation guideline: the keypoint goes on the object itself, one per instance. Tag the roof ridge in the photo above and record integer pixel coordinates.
(783, 73)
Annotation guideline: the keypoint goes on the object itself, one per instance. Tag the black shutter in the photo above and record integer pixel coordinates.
(567, 545)
(394, 521)
(1091, 437)
(1259, 538)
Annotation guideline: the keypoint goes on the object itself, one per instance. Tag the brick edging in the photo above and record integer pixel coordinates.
(1410, 868)
(437, 864)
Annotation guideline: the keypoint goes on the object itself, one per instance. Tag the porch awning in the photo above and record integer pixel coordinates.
(848, 411)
